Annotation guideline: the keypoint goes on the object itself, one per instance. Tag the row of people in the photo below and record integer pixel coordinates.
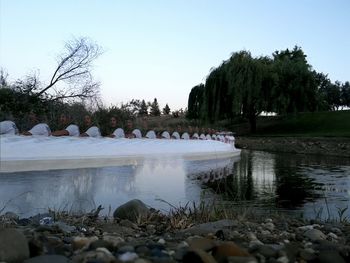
(70, 129)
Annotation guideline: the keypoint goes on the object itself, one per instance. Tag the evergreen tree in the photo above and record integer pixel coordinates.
(143, 108)
(166, 109)
(155, 111)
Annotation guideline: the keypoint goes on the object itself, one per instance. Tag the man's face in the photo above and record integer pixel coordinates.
(63, 119)
(129, 124)
(87, 120)
(113, 122)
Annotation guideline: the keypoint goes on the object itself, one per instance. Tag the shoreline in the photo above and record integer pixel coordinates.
(337, 147)
(139, 234)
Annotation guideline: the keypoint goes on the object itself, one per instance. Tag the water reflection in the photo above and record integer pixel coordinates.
(313, 186)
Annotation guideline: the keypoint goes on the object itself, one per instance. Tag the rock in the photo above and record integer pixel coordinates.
(128, 256)
(270, 226)
(241, 260)
(100, 255)
(67, 229)
(125, 249)
(128, 223)
(82, 242)
(200, 243)
(198, 256)
(314, 234)
(161, 241)
(267, 251)
(13, 246)
(132, 210)
(308, 254)
(332, 235)
(48, 258)
(211, 227)
(330, 256)
(113, 240)
(11, 216)
(228, 249)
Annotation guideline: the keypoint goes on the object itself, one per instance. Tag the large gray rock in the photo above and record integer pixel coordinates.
(48, 258)
(315, 234)
(13, 246)
(132, 210)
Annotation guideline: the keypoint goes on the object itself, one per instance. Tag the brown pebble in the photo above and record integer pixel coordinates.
(228, 249)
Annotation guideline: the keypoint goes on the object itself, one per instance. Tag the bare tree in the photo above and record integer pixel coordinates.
(74, 70)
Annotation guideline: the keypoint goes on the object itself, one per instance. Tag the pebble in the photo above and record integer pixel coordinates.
(128, 256)
(314, 235)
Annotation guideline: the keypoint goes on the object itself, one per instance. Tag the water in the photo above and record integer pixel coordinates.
(295, 184)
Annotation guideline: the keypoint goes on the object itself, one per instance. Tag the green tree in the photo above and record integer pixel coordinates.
(195, 102)
(166, 109)
(143, 109)
(155, 111)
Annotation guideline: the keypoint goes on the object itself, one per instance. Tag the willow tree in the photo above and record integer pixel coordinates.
(195, 102)
(249, 82)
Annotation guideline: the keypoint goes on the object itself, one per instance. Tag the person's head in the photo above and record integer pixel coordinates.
(179, 129)
(33, 117)
(64, 119)
(129, 124)
(87, 120)
(113, 122)
(190, 129)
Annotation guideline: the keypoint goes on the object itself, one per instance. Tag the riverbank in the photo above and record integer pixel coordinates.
(301, 145)
(139, 234)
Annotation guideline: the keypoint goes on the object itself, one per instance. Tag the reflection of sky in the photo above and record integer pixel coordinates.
(84, 189)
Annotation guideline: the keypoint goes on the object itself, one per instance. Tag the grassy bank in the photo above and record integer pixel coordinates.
(311, 124)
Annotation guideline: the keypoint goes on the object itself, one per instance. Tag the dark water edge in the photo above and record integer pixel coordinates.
(310, 186)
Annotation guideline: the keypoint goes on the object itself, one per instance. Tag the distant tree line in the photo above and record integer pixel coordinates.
(245, 86)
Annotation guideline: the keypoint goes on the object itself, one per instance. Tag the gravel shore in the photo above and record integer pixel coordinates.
(139, 234)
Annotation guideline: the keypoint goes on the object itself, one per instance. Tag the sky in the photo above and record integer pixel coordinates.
(162, 48)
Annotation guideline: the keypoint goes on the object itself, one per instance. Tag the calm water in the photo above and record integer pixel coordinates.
(295, 184)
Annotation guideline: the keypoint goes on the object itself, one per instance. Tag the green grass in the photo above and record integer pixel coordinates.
(325, 124)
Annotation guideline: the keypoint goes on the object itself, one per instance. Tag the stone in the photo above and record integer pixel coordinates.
(200, 243)
(128, 256)
(267, 251)
(241, 260)
(82, 242)
(125, 249)
(113, 240)
(330, 256)
(308, 254)
(228, 249)
(211, 227)
(132, 210)
(67, 229)
(314, 234)
(13, 246)
(198, 256)
(100, 255)
(11, 216)
(48, 258)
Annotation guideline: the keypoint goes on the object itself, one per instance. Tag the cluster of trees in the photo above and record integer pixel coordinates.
(245, 86)
(141, 108)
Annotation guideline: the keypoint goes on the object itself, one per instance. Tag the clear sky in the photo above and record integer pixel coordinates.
(162, 48)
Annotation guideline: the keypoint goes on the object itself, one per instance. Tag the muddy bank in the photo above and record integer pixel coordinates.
(302, 145)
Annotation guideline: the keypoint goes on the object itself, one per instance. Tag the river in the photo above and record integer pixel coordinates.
(298, 185)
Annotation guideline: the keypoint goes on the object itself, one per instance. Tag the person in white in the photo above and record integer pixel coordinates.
(208, 137)
(185, 136)
(93, 131)
(165, 135)
(175, 135)
(151, 135)
(8, 127)
(118, 132)
(70, 130)
(137, 133)
(39, 128)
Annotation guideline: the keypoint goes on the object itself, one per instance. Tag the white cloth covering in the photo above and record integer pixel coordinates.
(208, 137)
(151, 135)
(119, 133)
(213, 136)
(165, 135)
(195, 136)
(41, 129)
(185, 136)
(137, 133)
(73, 130)
(175, 135)
(202, 137)
(93, 131)
(8, 127)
